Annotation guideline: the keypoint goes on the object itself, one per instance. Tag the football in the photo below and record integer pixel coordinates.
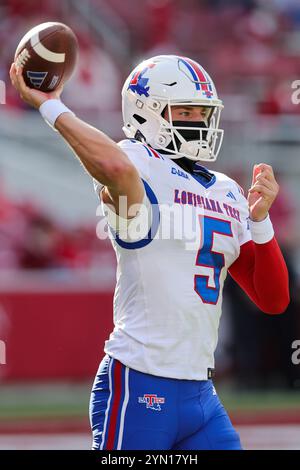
(48, 54)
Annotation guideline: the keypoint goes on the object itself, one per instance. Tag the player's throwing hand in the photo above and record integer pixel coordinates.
(31, 96)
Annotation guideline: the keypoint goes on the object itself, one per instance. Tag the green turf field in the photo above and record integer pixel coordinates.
(38, 401)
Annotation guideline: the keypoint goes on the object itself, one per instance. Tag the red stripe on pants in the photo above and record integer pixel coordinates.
(117, 389)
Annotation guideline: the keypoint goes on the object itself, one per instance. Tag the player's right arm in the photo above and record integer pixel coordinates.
(101, 157)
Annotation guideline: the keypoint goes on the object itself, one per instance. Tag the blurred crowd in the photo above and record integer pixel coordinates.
(31, 239)
(96, 82)
(250, 47)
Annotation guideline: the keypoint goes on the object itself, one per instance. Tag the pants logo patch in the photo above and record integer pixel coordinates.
(152, 401)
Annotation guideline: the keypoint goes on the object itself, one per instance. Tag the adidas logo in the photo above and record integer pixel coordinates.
(36, 78)
(231, 195)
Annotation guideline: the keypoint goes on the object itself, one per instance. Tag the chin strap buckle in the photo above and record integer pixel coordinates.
(139, 136)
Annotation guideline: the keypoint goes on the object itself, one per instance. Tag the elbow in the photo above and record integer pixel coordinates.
(277, 307)
(116, 172)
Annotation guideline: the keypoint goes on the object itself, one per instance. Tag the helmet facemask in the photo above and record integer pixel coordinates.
(196, 140)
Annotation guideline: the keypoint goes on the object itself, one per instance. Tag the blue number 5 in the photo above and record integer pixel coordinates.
(208, 258)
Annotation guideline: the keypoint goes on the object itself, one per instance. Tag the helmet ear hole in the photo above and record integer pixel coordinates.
(139, 118)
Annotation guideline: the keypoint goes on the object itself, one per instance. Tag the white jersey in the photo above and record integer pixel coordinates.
(168, 297)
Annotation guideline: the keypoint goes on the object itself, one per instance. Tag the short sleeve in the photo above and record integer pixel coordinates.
(244, 233)
(137, 154)
(97, 187)
(134, 229)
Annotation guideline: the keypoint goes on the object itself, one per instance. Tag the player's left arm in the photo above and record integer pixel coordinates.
(260, 269)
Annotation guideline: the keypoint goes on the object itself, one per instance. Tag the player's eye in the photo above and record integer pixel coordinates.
(206, 112)
(185, 113)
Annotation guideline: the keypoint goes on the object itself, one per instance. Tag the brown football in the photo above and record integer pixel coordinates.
(48, 54)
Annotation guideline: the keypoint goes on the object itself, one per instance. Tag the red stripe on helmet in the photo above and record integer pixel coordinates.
(199, 72)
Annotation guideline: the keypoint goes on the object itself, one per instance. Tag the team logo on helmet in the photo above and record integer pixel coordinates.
(138, 83)
(196, 74)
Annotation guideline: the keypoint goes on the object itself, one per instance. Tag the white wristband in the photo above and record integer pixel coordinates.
(261, 232)
(51, 109)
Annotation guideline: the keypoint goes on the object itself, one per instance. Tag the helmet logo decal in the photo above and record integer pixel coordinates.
(192, 70)
(138, 83)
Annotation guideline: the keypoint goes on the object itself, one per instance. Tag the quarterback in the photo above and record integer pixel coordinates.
(154, 387)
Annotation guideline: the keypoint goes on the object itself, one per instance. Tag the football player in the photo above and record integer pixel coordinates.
(154, 388)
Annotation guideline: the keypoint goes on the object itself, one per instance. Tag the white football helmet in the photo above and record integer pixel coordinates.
(162, 82)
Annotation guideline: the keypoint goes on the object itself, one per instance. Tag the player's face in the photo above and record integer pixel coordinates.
(189, 113)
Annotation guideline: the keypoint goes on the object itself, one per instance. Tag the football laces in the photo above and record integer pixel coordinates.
(22, 58)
